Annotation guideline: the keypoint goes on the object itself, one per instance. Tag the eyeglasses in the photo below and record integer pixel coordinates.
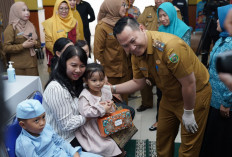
(63, 9)
(125, 5)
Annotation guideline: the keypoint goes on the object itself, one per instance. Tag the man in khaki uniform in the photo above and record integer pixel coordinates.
(149, 20)
(182, 78)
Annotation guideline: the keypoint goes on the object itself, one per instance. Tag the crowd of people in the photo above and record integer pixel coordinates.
(132, 51)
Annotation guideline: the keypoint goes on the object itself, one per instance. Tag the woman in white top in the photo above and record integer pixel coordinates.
(62, 91)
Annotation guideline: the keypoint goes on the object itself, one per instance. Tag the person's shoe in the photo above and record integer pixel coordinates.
(142, 108)
(153, 127)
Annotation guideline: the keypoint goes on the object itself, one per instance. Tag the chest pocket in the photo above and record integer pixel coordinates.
(19, 38)
(111, 41)
(149, 18)
(162, 70)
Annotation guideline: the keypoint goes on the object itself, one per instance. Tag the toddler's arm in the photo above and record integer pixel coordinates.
(90, 110)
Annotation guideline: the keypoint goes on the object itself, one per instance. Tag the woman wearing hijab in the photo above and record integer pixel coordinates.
(106, 48)
(218, 138)
(20, 39)
(167, 15)
(132, 10)
(77, 16)
(61, 24)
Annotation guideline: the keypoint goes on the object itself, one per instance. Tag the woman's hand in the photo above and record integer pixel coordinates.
(28, 43)
(76, 155)
(225, 111)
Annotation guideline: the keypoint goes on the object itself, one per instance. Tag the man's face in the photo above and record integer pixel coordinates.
(133, 41)
(159, 2)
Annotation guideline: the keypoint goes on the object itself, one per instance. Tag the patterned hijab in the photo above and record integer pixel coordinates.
(56, 26)
(109, 11)
(25, 27)
(176, 26)
(222, 13)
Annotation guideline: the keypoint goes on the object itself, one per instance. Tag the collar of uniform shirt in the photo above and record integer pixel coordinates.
(149, 43)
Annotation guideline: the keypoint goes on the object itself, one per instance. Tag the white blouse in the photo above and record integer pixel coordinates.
(62, 111)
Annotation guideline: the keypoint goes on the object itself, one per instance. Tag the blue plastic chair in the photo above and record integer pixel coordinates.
(13, 130)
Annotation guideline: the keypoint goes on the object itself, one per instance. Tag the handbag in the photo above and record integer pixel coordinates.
(114, 122)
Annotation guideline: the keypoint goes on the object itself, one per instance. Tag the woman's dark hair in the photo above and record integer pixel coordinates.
(59, 73)
(82, 43)
(92, 68)
(58, 46)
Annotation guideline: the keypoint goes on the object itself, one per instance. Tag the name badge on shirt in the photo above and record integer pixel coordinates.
(20, 33)
(149, 16)
(60, 31)
(111, 34)
(142, 69)
(159, 45)
(180, 3)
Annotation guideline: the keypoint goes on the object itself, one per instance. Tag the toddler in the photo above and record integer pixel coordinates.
(95, 101)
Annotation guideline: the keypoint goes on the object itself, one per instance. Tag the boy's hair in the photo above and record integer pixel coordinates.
(20, 119)
(94, 67)
(81, 43)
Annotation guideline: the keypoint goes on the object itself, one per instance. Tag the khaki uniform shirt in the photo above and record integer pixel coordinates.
(13, 45)
(109, 52)
(149, 18)
(165, 64)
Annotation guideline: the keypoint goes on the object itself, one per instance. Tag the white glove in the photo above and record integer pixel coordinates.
(189, 121)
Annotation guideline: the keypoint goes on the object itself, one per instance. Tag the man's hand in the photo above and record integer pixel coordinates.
(76, 155)
(189, 121)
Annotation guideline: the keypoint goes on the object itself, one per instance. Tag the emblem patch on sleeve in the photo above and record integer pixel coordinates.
(173, 58)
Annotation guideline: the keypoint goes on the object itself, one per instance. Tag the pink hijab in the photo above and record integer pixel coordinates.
(24, 27)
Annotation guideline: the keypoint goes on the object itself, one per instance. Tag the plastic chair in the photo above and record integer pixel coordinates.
(14, 129)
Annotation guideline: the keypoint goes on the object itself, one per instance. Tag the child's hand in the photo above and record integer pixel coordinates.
(76, 155)
(110, 104)
(107, 106)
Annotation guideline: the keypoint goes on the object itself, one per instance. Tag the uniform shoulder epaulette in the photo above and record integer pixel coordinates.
(158, 44)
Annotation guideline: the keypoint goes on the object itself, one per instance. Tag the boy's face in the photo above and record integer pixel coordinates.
(34, 125)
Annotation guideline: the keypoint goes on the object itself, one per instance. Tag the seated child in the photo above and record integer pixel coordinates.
(95, 101)
(38, 138)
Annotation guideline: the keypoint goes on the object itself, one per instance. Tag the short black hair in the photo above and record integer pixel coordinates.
(81, 43)
(123, 22)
